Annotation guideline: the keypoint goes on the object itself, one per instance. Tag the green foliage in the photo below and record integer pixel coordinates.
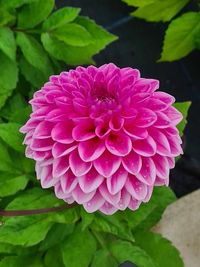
(183, 107)
(7, 43)
(183, 33)
(180, 36)
(159, 248)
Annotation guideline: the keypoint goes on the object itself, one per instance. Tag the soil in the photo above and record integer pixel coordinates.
(139, 46)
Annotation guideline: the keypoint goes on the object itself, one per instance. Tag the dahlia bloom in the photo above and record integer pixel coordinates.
(102, 137)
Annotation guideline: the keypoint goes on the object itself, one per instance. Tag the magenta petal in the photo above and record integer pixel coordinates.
(145, 147)
(174, 115)
(134, 204)
(68, 182)
(77, 165)
(145, 118)
(112, 199)
(43, 130)
(46, 178)
(117, 181)
(146, 85)
(62, 132)
(124, 201)
(118, 144)
(136, 188)
(163, 147)
(84, 131)
(41, 144)
(59, 150)
(60, 166)
(91, 149)
(95, 203)
(164, 97)
(90, 181)
(81, 197)
(132, 162)
(162, 120)
(107, 164)
(162, 166)
(108, 208)
(147, 173)
(136, 132)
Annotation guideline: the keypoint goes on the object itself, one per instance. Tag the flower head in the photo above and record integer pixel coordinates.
(102, 137)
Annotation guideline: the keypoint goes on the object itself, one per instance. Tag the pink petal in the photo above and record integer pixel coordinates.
(46, 177)
(117, 181)
(43, 130)
(134, 204)
(146, 85)
(60, 166)
(90, 181)
(132, 162)
(107, 164)
(68, 182)
(145, 147)
(112, 199)
(145, 118)
(77, 165)
(95, 203)
(62, 132)
(164, 97)
(162, 120)
(81, 197)
(147, 173)
(85, 130)
(124, 201)
(91, 149)
(41, 144)
(163, 147)
(162, 166)
(133, 131)
(174, 115)
(136, 188)
(116, 124)
(108, 208)
(59, 150)
(118, 144)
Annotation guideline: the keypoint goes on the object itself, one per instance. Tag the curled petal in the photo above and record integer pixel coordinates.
(68, 182)
(124, 201)
(112, 199)
(81, 197)
(77, 165)
(174, 115)
(147, 174)
(91, 149)
(162, 166)
(43, 130)
(85, 130)
(41, 144)
(117, 181)
(118, 144)
(132, 162)
(60, 150)
(60, 166)
(62, 132)
(108, 208)
(162, 120)
(95, 203)
(107, 164)
(90, 181)
(135, 132)
(136, 188)
(146, 147)
(145, 118)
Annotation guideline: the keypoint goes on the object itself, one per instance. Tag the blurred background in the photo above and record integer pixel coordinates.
(139, 46)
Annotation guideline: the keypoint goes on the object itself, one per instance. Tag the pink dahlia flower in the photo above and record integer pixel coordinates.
(102, 137)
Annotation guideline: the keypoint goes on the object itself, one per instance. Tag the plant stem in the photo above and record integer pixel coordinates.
(11, 213)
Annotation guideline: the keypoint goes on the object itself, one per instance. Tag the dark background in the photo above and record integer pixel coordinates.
(139, 46)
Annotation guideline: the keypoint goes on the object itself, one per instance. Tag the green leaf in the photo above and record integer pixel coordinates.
(53, 257)
(5, 16)
(15, 3)
(139, 3)
(28, 230)
(9, 133)
(114, 225)
(160, 10)
(60, 18)
(34, 53)
(5, 160)
(150, 213)
(78, 55)
(19, 261)
(36, 77)
(73, 34)
(180, 36)
(75, 251)
(159, 248)
(86, 218)
(10, 183)
(103, 258)
(7, 42)
(8, 77)
(124, 251)
(56, 235)
(33, 14)
(183, 107)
